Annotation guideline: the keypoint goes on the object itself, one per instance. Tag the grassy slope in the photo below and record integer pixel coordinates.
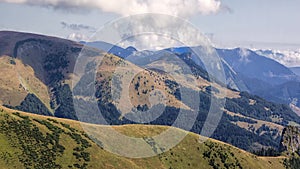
(114, 67)
(188, 154)
(17, 80)
(257, 125)
(10, 89)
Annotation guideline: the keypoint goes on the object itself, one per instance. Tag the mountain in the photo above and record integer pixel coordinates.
(247, 70)
(296, 70)
(263, 76)
(110, 48)
(241, 117)
(37, 73)
(288, 93)
(33, 71)
(244, 63)
(34, 141)
(252, 65)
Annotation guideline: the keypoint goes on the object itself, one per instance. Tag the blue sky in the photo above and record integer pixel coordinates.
(257, 22)
(244, 23)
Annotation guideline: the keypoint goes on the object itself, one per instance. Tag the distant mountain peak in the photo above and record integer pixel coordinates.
(131, 49)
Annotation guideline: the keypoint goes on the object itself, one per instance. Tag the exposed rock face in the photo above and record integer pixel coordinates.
(290, 142)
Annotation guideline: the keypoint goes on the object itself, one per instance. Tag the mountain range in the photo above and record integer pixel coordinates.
(37, 76)
(245, 70)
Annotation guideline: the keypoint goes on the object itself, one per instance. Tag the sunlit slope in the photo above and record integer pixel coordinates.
(17, 80)
(33, 141)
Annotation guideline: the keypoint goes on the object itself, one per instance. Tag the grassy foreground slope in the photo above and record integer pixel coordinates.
(33, 141)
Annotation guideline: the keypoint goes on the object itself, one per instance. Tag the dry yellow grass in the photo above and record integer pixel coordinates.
(17, 80)
(128, 75)
(11, 90)
(257, 125)
(186, 154)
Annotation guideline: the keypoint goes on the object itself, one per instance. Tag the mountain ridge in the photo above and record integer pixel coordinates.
(204, 155)
(52, 63)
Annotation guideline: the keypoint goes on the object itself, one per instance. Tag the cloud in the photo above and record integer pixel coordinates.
(244, 53)
(289, 58)
(77, 37)
(151, 32)
(182, 8)
(78, 27)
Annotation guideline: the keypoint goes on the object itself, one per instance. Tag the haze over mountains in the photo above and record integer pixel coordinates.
(37, 72)
(245, 70)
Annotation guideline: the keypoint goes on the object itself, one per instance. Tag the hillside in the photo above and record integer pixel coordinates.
(290, 140)
(296, 70)
(38, 71)
(250, 71)
(34, 141)
(34, 65)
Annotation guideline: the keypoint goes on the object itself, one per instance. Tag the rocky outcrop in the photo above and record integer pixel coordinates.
(290, 142)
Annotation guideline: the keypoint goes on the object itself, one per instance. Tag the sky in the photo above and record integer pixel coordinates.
(256, 24)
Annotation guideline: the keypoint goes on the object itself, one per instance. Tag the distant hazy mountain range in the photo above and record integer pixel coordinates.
(296, 70)
(245, 70)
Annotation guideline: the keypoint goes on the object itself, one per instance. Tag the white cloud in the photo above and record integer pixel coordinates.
(77, 27)
(244, 53)
(77, 37)
(182, 8)
(151, 32)
(289, 58)
(150, 42)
